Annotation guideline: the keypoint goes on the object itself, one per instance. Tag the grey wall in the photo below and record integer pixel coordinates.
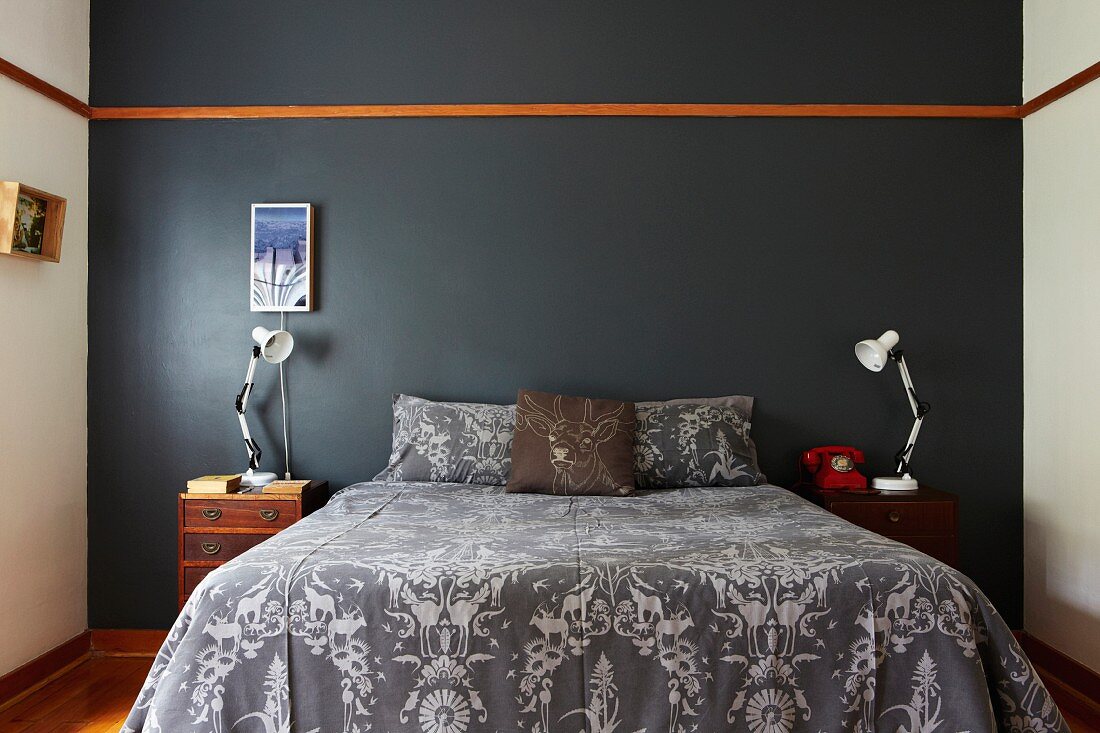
(360, 51)
(635, 258)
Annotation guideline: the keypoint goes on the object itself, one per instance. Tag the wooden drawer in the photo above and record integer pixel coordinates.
(228, 513)
(192, 577)
(901, 518)
(206, 547)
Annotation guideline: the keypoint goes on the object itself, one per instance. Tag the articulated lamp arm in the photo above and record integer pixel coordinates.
(254, 451)
(920, 409)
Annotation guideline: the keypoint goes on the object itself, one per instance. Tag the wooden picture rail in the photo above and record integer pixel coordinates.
(359, 111)
(44, 88)
(551, 110)
(1058, 91)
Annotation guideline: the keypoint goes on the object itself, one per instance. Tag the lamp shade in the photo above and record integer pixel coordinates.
(275, 346)
(873, 353)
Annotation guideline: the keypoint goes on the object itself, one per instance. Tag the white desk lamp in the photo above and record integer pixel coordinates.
(274, 347)
(873, 354)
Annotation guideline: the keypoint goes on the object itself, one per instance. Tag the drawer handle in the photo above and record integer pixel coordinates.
(269, 515)
(894, 516)
(212, 514)
(211, 548)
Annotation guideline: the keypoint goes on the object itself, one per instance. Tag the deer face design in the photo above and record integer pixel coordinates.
(572, 443)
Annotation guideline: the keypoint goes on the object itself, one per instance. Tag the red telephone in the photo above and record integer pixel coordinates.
(834, 467)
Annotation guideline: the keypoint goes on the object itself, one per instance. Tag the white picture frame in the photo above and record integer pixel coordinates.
(281, 253)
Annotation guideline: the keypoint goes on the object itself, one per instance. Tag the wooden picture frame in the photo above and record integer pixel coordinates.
(31, 222)
(282, 253)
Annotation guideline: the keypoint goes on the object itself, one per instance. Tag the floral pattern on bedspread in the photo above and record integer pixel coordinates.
(446, 609)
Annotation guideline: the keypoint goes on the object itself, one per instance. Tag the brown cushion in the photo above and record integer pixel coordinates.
(572, 445)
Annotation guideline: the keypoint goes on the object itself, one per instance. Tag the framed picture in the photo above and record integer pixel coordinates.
(282, 257)
(31, 222)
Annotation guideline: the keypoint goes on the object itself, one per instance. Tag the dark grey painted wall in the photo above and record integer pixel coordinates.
(380, 51)
(637, 258)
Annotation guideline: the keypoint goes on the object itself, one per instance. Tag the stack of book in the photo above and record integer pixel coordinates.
(217, 484)
(287, 487)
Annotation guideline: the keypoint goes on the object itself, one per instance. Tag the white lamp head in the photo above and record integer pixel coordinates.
(874, 353)
(275, 346)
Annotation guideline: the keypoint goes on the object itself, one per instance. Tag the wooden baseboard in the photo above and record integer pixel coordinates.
(127, 642)
(1075, 687)
(40, 670)
(23, 680)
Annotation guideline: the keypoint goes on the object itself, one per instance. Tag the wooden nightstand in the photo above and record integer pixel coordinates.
(215, 528)
(926, 519)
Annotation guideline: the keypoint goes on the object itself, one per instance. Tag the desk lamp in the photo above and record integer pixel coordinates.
(873, 354)
(273, 347)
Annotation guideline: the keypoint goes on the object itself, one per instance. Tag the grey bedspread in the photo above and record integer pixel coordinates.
(447, 608)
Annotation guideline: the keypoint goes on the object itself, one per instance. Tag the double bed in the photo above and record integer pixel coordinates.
(447, 608)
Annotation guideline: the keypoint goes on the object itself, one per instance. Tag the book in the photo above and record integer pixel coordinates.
(287, 487)
(214, 484)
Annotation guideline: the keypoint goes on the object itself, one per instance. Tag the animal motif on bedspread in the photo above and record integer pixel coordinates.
(428, 632)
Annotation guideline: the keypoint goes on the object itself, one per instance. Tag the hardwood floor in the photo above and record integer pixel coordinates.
(96, 695)
(1076, 725)
(93, 697)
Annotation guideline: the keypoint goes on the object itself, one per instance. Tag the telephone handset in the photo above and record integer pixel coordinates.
(834, 467)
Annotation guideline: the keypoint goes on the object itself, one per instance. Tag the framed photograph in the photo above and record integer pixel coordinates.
(282, 257)
(31, 222)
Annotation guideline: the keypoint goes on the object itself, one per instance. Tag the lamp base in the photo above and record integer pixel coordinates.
(253, 479)
(895, 483)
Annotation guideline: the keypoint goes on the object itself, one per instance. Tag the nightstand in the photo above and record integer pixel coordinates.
(926, 519)
(215, 528)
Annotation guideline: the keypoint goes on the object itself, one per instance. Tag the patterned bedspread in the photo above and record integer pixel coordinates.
(447, 608)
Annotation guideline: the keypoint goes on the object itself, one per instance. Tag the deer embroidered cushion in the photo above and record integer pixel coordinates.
(451, 442)
(693, 444)
(572, 445)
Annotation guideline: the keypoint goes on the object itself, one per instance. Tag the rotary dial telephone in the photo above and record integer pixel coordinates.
(834, 468)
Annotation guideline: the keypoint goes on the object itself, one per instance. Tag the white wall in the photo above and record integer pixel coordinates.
(44, 343)
(1061, 37)
(1062, 332)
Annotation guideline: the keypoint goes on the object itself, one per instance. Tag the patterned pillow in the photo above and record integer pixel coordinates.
(742, 402)
(693, 444)
(572, 446)
(450, 442)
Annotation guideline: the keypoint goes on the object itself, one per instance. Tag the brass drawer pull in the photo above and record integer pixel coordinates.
(894, 516)
(269, 515)
(211, 548)
(212, 514)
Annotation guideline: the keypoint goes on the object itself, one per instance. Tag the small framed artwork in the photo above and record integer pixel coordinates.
(282, 257)
(31, 222)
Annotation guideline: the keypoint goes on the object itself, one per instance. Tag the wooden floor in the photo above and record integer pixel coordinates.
(96, 695)
(1078, 726)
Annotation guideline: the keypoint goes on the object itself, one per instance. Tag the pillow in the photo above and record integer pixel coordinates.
(679, 443)
(450, 442)
(572, 445)
(740, 401)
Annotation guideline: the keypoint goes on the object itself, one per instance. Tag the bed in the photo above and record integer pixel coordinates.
(447, 608)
